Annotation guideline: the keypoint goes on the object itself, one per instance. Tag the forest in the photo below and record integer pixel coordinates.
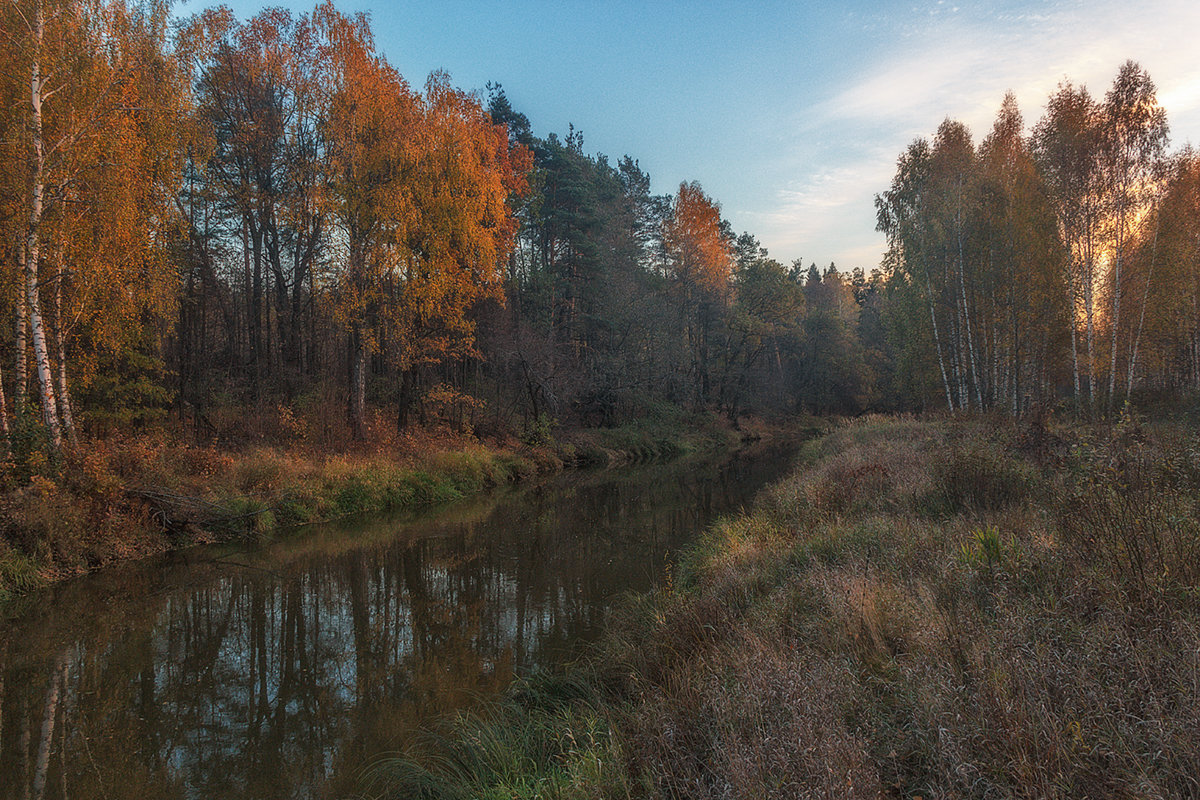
(230, 229)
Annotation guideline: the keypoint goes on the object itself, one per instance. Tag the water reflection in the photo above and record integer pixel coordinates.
(281, 671)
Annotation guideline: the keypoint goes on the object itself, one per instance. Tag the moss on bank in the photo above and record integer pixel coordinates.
(924, 608)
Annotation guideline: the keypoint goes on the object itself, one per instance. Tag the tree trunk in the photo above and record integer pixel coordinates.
(1088, 309)
(937, 341)
(1116, 321)
(4, 428)
(1072, 305)
(1142, 317)
(962, 284)
(21, 365)
(64, 394)
(358, 383)
(33, 245)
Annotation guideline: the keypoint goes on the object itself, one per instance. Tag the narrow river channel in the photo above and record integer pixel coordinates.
(281, 671)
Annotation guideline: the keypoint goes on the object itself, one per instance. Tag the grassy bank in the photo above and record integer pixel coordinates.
(128, 497)
(932, 609)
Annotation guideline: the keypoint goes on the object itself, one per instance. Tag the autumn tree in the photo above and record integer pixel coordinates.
(455, 252)
(93, 165)
(371, 130)
(1134, 139)
(419, 189)
(1066, 146)
(912, 259)
(1023, 315)
(261, 168)
(971, 237)
(700, 259)
(1164, 275)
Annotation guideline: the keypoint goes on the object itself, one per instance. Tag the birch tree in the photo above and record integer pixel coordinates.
(1024, 300)
(1133, 144)
(96, 188)
(1066, 145)
(901, 215)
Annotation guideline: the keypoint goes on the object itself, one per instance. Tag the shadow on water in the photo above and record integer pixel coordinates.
(280, 671)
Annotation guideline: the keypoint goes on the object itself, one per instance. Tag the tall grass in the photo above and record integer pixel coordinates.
(129, 496)
(546, 741)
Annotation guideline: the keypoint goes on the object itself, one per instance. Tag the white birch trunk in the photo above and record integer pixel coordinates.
(1089, 274)
(20, 367)
(1116, 318)
(937, 341)
(33, 242)
(64, 393)
(962, 285)
(5, 433)
(1142, 317)
(1073, 306)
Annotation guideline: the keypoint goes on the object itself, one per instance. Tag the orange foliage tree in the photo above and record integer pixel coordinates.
(419, 186)
(701, 263)
(89, 174)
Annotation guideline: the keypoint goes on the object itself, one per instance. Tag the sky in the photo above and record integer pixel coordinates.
(790, 114)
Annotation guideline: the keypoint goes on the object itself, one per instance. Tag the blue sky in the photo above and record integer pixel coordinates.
(790, 114)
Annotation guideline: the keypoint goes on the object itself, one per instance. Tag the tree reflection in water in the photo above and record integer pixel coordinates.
(281, 671)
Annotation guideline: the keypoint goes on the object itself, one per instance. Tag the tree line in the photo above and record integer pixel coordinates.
(205, 220)
(1049, 266)
(207, 214)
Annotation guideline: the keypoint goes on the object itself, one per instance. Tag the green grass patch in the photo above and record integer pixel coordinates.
(547, 739)
(18, 574)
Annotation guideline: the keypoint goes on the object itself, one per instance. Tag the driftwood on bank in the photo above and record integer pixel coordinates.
(175, 512)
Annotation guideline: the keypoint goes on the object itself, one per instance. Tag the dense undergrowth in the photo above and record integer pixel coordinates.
(125, 497)
(924, 609)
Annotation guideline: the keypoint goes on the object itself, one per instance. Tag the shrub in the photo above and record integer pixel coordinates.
(18, 573)
(1145, 536)
(539, 432)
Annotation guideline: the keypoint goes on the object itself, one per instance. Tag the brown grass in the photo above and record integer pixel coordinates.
(932, 609)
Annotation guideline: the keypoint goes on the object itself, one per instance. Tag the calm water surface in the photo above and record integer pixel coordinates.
(281, 671)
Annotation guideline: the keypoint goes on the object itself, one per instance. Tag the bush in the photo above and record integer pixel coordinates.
(539, 432)
(1145, 536)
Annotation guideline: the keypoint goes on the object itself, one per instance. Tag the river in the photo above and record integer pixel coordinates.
(282, 670)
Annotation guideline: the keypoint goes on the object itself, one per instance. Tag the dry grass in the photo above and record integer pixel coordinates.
(932, 609)
(927, 609)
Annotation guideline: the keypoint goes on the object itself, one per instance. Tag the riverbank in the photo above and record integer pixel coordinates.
(125, 498)
(924, 608)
